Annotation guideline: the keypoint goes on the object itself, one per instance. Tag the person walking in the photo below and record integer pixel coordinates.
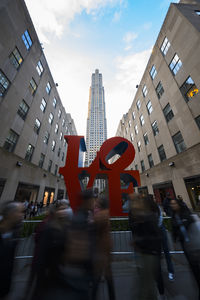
(11, 218)
(143, 220)
(188, 232)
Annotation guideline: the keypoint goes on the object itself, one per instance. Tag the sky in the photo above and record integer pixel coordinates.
(114, 36)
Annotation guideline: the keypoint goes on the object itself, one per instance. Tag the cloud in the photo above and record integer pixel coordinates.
(129, 37)
(128, 48)
(121, 89)
(117, 16)
(147, 26)
(52, 17)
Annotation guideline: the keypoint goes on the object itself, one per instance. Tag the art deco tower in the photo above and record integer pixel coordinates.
(96, 121)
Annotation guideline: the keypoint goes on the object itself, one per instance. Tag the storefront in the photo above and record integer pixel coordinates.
(27, 192)
(48, 197)
(162, 189)
(193, 188)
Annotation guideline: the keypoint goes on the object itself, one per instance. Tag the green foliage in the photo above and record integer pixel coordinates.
(29, 227)
(119, 225)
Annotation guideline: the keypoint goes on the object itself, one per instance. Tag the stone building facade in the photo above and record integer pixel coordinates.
(33, 118)
(163, 121)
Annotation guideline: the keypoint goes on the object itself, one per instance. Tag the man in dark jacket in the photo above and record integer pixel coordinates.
(11, 216)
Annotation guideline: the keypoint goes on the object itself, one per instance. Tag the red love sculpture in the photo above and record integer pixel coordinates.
(101, 168)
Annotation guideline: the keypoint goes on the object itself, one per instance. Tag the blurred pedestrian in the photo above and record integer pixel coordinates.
(103, 247)
(143, 220)
(12, 214)
(187, 231)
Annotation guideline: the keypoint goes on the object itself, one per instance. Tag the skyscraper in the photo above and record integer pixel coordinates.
(96, 122)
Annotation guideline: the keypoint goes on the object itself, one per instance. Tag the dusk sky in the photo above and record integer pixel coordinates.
(114, 36)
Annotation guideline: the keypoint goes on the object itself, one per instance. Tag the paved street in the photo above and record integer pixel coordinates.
(125, 277)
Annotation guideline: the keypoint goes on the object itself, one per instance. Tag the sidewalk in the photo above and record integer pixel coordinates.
(125, 276)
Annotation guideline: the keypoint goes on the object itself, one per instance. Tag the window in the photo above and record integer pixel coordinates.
(175, 64)
(61, 136)
(149, 107)
(16, 58)
(168, 113)
(144, 91)
(33, 86)
(146, 139)
(50, 165)
(43, 105)
(141, 120)
(165, 46)
(23, 110)
(27, 39)
(46, 137)
(153, 72)
(63, 155)
(161, 152)
(59, 149)
(136, 167)
(132, 137)
(53, 146)
(129, 123)
(197, 119)
(150, 159)
(37, 126)
(189, 89)
(179, 142)
(56, 128)
(48, 88)
(155, 128)
(136, 129)
(50, 118)
(139, 146)
(4, 83)
(29, 152)
(11, 141)
(138, 104)
(39, 68)
(56, 170)
(59, 113)
(63, 122)
(41, 161)
(133, 115)
(197, 12)
(142, 165)
(159, 90)
(54, 102)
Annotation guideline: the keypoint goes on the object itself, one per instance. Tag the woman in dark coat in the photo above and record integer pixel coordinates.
(185, 229)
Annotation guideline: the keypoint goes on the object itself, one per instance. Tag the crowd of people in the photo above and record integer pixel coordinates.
(73, 249)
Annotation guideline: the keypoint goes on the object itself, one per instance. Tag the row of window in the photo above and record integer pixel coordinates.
(178, 143)
(11, 142)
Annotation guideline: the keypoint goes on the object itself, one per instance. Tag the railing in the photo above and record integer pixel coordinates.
(121, 240)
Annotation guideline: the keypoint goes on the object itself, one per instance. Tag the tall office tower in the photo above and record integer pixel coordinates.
(96, 121)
